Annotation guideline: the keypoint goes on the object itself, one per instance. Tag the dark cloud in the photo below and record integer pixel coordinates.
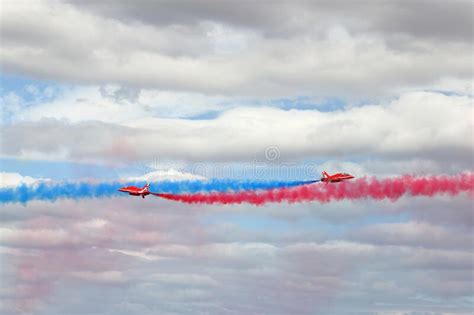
(419, 19)
(432, 19)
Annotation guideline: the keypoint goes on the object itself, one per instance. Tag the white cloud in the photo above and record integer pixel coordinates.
(139, 254)
(418, 125)
(171, 174)
(114, 104)
(14, 179)
(93, 224)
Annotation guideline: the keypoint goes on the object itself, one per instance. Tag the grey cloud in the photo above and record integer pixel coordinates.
(120, 94)
(197, 265)
(451, 20)
(418, 234)
(234, 60)
(438, 211)
(439, 19)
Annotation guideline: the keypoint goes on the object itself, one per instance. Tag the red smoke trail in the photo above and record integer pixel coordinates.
(373, 188)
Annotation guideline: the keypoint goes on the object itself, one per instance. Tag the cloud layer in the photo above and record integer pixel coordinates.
(188, 259)
(224, 49)
(417, 125)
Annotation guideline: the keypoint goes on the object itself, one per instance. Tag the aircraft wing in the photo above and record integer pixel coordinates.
(128, 190)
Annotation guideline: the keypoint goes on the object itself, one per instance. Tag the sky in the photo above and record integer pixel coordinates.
(110, 92)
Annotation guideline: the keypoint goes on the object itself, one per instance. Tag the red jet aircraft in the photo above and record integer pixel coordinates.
(336, 178)
(136, 191)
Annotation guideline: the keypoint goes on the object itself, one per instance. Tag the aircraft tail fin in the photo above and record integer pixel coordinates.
(325, 174)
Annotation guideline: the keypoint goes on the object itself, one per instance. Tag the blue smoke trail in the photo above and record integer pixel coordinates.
(222, 185)
(54, 191)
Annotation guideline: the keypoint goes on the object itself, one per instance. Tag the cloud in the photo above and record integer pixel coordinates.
(225, 50)
(8, 179)
(113, 104)
(184, 279)
(173, 257)
(276, 20)
(195, 83)
(422, 125)
(419, 234)
(170, 175)
(107, 277)
(36, 238)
